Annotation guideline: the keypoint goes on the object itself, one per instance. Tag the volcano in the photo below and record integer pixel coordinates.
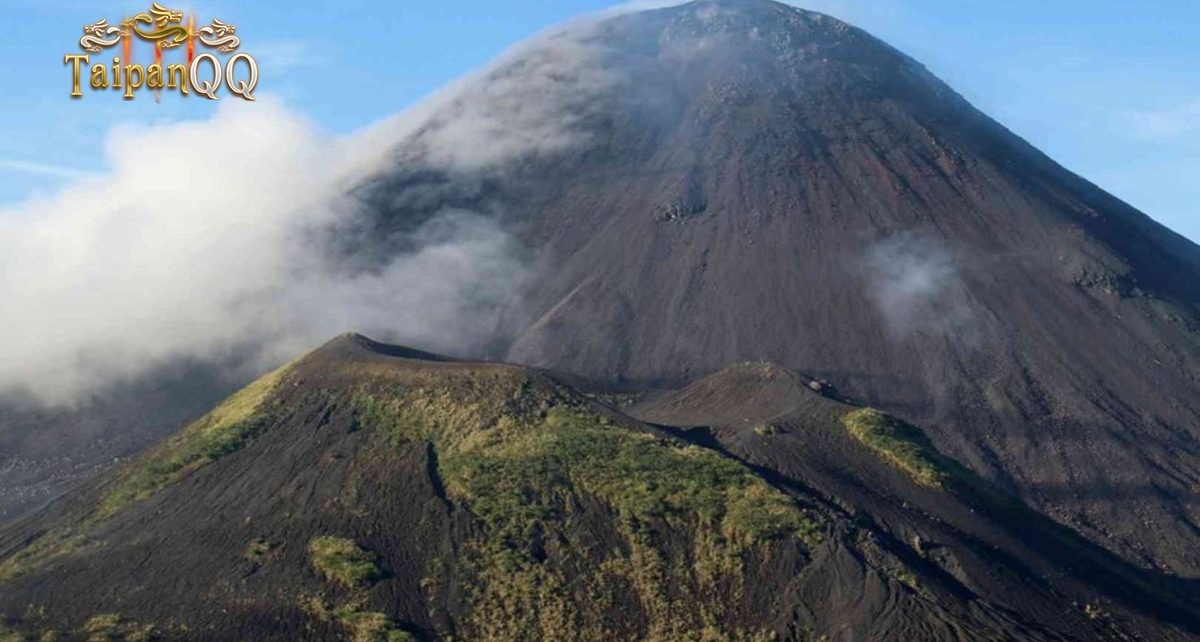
(736, 180)
(811, 349)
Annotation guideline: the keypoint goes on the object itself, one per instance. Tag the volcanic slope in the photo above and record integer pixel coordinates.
(370, 492)
(730, 180)
(46, 452)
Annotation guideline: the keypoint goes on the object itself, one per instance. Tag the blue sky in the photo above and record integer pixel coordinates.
(1109, 88)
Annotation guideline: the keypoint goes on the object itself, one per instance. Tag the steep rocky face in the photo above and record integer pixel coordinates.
(728, 180)
(369, 492)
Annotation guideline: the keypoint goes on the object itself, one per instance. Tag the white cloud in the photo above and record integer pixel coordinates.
(916, 285)
(203, 239)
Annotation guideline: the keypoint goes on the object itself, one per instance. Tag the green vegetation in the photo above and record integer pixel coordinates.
(47, 635)
(642, 476)
(341, 561)
(30, 627)
(258, 550)
(363, 626)
(221, 432)
(371, 626)
(111, 627)
(907, 578)
(102, 628)
(49, 546)
(899, 444)
(524, 457)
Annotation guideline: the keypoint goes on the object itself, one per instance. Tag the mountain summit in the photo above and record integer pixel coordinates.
(728, 180)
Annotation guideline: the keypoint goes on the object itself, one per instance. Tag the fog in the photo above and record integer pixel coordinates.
(916, 286)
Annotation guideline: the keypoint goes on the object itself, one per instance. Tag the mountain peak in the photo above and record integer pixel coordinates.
(721, 181)
(352, 344)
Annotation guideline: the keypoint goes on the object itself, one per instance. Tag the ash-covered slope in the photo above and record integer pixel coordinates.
(46, 452)
(369, 492)
(738, 179)
(938, 515)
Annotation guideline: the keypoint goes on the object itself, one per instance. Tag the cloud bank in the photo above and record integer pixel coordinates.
(204, 239)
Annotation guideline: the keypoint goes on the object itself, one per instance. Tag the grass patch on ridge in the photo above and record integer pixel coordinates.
(899, 444)
(222, 431)
(528, 459)
(642, 476)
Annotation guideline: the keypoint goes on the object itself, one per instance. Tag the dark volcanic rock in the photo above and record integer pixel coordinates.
(46, 452)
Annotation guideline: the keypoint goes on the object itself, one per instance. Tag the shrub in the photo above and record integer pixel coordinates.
(257, 550)
(8, 635)
(371, 626)
(110, 627)
(341, 561)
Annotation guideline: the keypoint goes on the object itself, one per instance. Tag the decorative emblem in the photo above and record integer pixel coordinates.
(98, 36)
(169, 33)
(220, 35)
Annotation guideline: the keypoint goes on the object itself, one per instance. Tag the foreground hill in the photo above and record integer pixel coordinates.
(370, 492)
